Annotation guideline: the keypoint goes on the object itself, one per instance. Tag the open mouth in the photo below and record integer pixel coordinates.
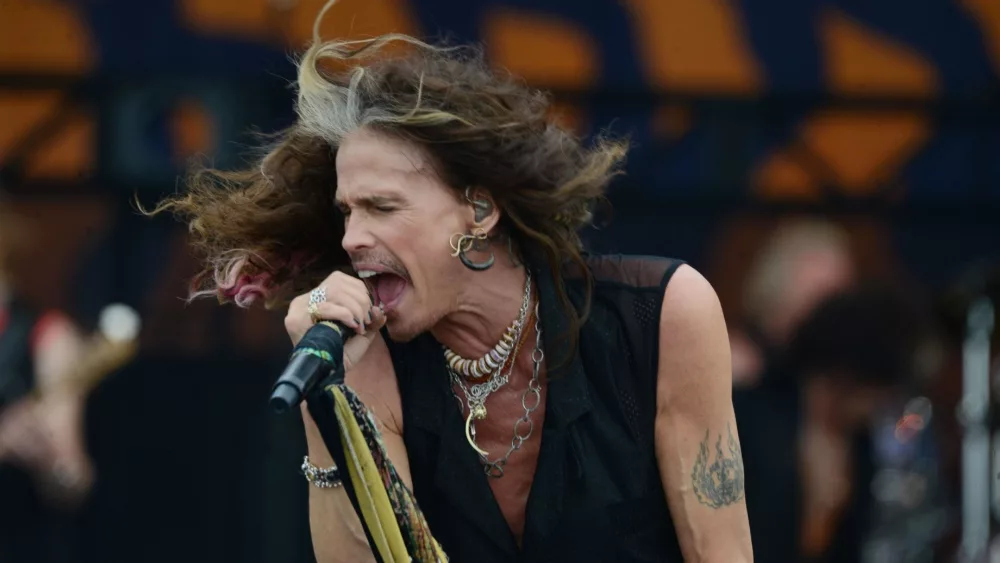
(387, 288)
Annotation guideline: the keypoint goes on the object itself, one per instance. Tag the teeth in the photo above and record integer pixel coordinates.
(364, 274)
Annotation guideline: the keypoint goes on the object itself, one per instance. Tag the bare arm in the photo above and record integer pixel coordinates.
(697, 444)
(59, 346)
(337, 535)
(44, 434)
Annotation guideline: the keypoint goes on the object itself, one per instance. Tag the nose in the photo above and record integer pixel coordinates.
(357, 236)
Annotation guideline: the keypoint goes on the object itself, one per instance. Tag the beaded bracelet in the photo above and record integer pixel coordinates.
(321, 478)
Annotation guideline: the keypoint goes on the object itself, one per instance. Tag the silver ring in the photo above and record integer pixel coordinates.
(317, 295)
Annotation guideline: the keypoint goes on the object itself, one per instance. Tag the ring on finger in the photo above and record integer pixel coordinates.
(313, 310)
(317, 295)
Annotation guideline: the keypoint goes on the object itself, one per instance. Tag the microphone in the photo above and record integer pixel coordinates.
(320, 353)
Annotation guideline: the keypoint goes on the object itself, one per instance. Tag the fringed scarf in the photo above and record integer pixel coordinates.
(395, 525)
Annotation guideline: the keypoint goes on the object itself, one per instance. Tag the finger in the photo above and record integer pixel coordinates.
(299, 301)
(349, 292)
(357, 286)
(327, 311)
(357, 290)
(376, 324)
(361, 305)
(358, 313)
(299, 304)
(378, 317)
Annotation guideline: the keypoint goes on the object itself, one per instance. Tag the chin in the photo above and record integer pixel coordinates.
(403, 324)
(401, 331)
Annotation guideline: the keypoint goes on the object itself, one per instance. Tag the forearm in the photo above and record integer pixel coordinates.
(337, 534)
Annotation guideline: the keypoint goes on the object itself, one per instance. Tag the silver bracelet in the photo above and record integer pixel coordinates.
(321, 478)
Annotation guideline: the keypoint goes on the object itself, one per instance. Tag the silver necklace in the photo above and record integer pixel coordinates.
(476, 394)
(524, 427)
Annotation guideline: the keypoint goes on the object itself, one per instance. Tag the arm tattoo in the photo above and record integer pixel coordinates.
(720, 482)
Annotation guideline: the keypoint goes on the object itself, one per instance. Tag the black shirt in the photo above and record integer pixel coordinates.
(596, 494)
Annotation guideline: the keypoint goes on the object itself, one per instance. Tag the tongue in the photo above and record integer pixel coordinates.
(389, 287)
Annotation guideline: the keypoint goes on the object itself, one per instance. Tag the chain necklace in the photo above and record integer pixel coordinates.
(524, 427)
(476, 395)
(494, 360)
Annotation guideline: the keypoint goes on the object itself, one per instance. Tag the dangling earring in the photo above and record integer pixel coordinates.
(461, 244)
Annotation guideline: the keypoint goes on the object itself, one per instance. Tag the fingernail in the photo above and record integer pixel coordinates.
(369, 318)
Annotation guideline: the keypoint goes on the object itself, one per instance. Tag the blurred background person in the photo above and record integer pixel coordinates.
(810, 453)
(45, 471)
(801, 263)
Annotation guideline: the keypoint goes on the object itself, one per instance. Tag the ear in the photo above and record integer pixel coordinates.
(483, 210)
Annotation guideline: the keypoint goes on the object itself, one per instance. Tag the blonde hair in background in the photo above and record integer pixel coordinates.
(789, 242)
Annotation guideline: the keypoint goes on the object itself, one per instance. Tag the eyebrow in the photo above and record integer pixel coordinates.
(372, 201)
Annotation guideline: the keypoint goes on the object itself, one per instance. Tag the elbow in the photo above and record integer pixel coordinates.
(745, 556)
(724, 552)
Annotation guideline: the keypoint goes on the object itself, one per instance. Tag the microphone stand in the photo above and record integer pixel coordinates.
(973, 414)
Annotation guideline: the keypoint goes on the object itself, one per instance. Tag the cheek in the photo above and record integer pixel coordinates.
(420, 239)
(426, 254)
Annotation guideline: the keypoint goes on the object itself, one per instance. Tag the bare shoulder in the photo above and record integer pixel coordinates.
(690, 298)
(374, 380)
(694, 342)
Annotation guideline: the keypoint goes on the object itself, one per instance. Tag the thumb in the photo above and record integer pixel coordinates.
(355, 347)
(371, 329)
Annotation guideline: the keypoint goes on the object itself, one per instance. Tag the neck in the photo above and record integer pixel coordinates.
(485, 308)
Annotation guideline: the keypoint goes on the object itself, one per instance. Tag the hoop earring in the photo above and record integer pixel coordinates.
(462, 243)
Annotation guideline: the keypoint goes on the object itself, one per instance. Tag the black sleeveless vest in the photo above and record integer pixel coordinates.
(596, 495)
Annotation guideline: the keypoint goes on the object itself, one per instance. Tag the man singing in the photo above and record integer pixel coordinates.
(542, 404)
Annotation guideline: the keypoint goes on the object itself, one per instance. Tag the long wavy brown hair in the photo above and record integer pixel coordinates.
(272, 230)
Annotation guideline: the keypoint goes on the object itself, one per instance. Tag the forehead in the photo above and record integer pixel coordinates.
(369, 162)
